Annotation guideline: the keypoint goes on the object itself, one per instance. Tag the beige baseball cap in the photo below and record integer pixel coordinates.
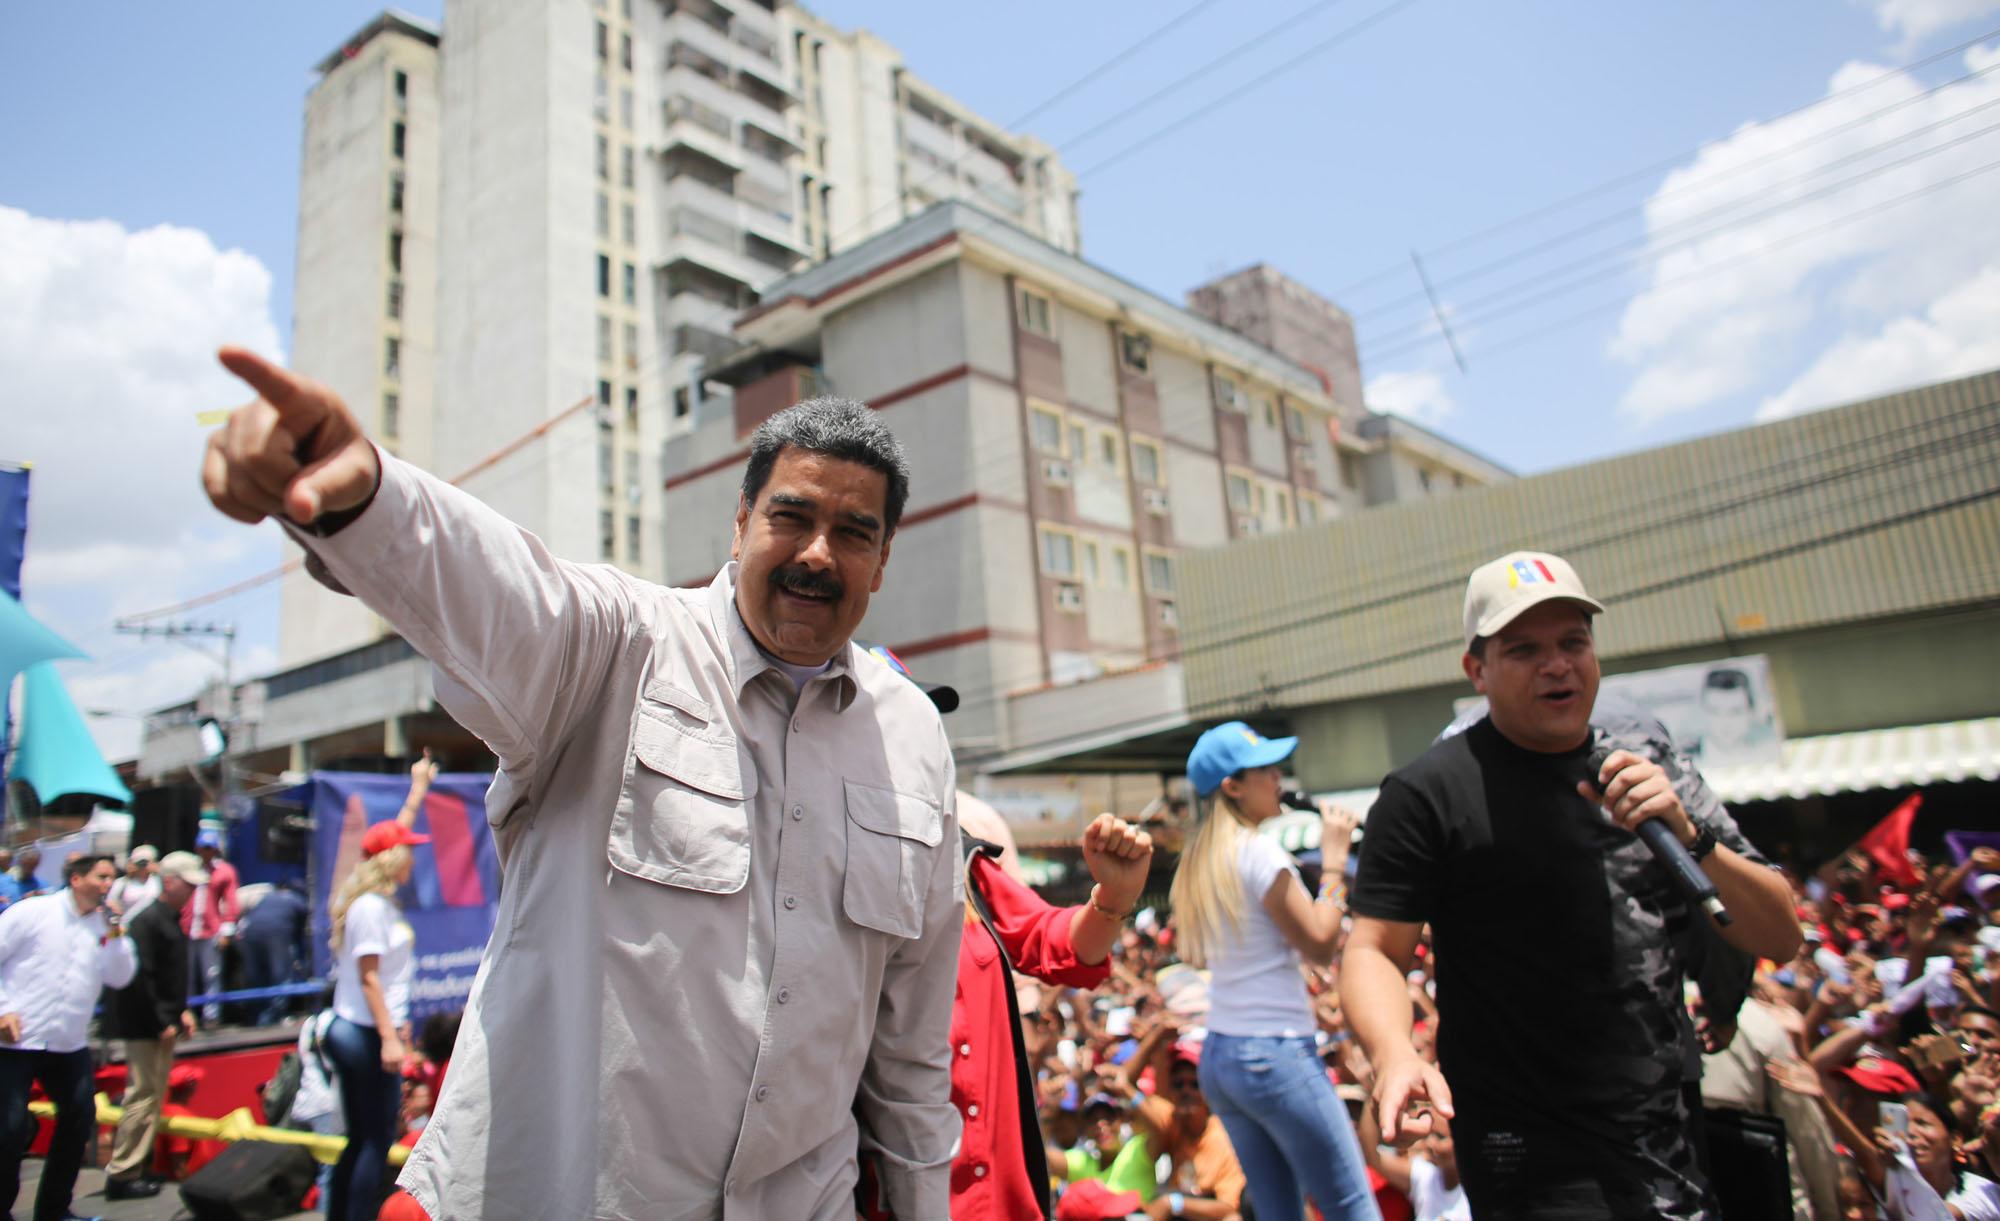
(1500, 591)
(144, 852)
(184, 865)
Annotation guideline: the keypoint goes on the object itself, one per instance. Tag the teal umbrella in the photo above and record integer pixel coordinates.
(56, 753)
(25, 641)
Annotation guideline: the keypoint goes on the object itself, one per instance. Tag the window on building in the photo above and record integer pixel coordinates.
(1146, 462)
(396, 251)
(1035, 315)
(1159, 572)
(603, 340)
(625, 51)
(603, 42)
(1118, 573)
(607, 526)
(1091, 562)
(392, 356)
(397, 137)
(603, 215)
(1107, 450)
(1308, 510)
(1284, 508)
(1079, 449)
(625, 109)
(1424, 478)
(1295, 422)
(396, 193)
(683, 404)
(1269, 410)
(395, 298)
(631, 406)
(600, 98)
(603, 158)
(1228, 394)
(1135, 351)
(402, 80)
(630, 283)
(1350, 471)
(392, 414)
(1058, 552)
(627, 224)
(1047, 427)
(632, 476)
(604, 484)
(1170, 615)
(1238, 487)
(604, 275)
(627, 175)
(632, 538)
(631, 337)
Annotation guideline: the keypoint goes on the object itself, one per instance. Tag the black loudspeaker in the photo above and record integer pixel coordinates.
(283, 828)
(1748, 1164)
(251, 1180)
(166, 817)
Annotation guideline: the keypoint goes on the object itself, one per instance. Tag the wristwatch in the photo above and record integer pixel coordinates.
(1704, 843)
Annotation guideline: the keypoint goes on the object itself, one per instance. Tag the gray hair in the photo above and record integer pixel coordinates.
(839, 428)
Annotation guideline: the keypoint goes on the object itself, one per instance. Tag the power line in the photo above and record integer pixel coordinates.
(1630, 176)
(1113, 62)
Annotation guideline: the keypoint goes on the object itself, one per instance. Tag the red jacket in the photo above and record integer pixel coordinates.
(217, 903)
(990, 1179)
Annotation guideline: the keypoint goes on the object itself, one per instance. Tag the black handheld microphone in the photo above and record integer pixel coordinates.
(1297, 799)
(1666, 848)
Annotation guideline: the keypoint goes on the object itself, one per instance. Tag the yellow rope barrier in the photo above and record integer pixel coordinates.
(235, 1126)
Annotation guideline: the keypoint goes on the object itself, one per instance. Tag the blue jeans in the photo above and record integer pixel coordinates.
(1290, 1130)
(370, 1101)
(66, 1079)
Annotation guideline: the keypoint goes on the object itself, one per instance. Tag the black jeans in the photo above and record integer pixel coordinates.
(370, 1100)
(66, 1077)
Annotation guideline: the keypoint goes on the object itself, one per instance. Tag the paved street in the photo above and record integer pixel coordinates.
(90, 1202)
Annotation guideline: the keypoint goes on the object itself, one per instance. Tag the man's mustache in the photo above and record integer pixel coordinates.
(798, 579)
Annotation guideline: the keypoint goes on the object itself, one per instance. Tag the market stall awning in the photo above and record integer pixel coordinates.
(56, 753)
(1906, 756)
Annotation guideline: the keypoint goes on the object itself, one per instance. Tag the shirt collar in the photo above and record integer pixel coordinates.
(747, 660)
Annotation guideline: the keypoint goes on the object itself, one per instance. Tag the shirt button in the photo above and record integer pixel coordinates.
(763, 1092)
(979, 1172)
(798, 812)
(972, 1111)
(784, 995)
(795, 726)
(791, 901)
(965, 1049)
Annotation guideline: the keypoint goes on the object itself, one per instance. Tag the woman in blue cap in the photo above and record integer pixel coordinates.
(1241, 910)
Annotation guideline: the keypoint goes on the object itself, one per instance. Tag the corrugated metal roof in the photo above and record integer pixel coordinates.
(1907, 756)
(1877, 509)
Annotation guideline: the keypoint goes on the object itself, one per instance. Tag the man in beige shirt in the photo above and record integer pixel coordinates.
(729, 927)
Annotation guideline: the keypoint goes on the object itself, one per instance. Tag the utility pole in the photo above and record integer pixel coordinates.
(185, 632)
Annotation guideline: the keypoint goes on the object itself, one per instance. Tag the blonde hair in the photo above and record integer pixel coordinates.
(1207, 894)
(374, 875)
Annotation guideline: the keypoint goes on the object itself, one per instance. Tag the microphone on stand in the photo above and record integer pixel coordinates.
(1659, 838)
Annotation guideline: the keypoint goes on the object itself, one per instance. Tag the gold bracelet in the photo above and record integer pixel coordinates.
(1107, 913)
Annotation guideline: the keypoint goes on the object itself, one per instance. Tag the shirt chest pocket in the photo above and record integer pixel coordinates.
(683, 816)
(892, 845)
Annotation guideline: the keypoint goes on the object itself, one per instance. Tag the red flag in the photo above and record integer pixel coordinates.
(1888, 845)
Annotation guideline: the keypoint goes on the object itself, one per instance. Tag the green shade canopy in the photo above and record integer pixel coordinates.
(25, 641)
(56, 753)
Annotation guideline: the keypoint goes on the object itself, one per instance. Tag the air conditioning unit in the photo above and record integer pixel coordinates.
(1069, 598)
(1156, 500)
(1247, 526)
(1169, 617)
(1055, 470)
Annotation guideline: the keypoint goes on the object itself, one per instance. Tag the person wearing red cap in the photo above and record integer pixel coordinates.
(374, 948)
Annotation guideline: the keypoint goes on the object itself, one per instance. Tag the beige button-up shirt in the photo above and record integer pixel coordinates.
(728, 929)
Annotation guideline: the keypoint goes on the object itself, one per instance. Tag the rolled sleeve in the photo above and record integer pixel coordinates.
(1037, 935)
(904, 1101)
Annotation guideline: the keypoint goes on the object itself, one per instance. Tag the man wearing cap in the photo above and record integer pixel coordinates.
(58, 951)
(1559, 952)
(732, 899)
(209, 919)
(150, 1014)
(139, 886)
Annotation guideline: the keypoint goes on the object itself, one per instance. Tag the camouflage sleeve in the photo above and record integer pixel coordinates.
(1703, 806)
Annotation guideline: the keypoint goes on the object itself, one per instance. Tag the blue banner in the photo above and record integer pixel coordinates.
(13, 546)
(454, 891)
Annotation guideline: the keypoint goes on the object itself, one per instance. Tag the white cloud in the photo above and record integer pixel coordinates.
(1732, 294)
(108, 339)
(1418, 396)
(1917, 19)
(1957, 335)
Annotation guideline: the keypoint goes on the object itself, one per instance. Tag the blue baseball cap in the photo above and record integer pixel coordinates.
(1228, 749)
(208, 837)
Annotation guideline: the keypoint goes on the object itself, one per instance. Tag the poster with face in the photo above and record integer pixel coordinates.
(1720, 713)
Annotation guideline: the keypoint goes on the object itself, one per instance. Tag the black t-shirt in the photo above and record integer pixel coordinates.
(1560, 960)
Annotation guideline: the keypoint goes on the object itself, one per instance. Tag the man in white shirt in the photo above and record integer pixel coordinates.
(729, 930)
(140, 885)
(57, 953)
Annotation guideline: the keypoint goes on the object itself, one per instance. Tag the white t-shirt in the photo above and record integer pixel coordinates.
(131, 894)
(374, 926)
(1431, 1199)
(1254, 985)
(318, 1095)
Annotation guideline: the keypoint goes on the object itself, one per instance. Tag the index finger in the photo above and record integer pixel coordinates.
(281, 388)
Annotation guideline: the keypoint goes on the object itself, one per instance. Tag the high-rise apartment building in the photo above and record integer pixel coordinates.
(590, 191)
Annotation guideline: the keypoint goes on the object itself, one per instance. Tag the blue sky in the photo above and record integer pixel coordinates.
(1443, 118)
